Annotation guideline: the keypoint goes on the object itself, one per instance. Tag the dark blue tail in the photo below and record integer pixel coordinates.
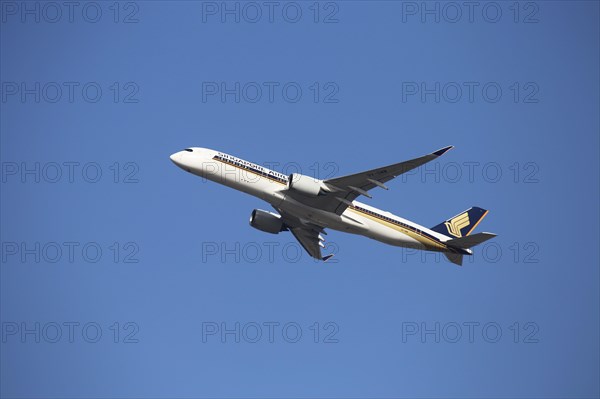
(462, 224)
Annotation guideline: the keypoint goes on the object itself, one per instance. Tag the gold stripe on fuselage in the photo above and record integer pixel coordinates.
(427, 241)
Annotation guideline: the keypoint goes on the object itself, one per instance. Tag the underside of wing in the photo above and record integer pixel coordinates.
(307, 234)
(311, 241)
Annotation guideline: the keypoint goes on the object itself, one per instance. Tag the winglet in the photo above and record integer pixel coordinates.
(442, 151)
(327, 257)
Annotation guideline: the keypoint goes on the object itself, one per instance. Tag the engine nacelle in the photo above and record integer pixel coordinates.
(266, 221)
(304, 184)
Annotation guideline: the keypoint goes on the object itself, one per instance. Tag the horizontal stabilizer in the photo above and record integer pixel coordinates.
(470, 241)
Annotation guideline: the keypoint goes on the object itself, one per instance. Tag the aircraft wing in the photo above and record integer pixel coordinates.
(345, 189)
(311, 241)
(307, 234)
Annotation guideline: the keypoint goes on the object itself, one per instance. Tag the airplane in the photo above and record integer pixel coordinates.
(306, 206)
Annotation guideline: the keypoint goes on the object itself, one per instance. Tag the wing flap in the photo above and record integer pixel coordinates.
(308, 235)
(311, 241)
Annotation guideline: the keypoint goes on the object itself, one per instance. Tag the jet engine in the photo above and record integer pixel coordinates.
(266, 221)
(304, 184)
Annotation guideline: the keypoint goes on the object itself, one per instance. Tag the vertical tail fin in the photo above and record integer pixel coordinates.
(462, 224)
(454, 258)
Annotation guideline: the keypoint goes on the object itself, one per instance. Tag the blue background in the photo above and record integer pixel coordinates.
(373, 291)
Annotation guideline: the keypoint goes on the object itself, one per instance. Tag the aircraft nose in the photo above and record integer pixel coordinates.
(176, 158)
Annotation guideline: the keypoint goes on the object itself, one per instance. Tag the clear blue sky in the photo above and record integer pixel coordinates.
(517, 93)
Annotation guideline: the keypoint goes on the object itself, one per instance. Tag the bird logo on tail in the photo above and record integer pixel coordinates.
(455, 225)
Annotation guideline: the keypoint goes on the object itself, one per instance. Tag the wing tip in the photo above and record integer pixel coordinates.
(442, 151)
(492, 235)
(327, 257)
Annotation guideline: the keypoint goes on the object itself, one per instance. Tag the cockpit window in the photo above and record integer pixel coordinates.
(189, 150)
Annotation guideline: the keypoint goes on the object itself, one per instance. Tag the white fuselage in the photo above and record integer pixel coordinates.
(272, 187)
